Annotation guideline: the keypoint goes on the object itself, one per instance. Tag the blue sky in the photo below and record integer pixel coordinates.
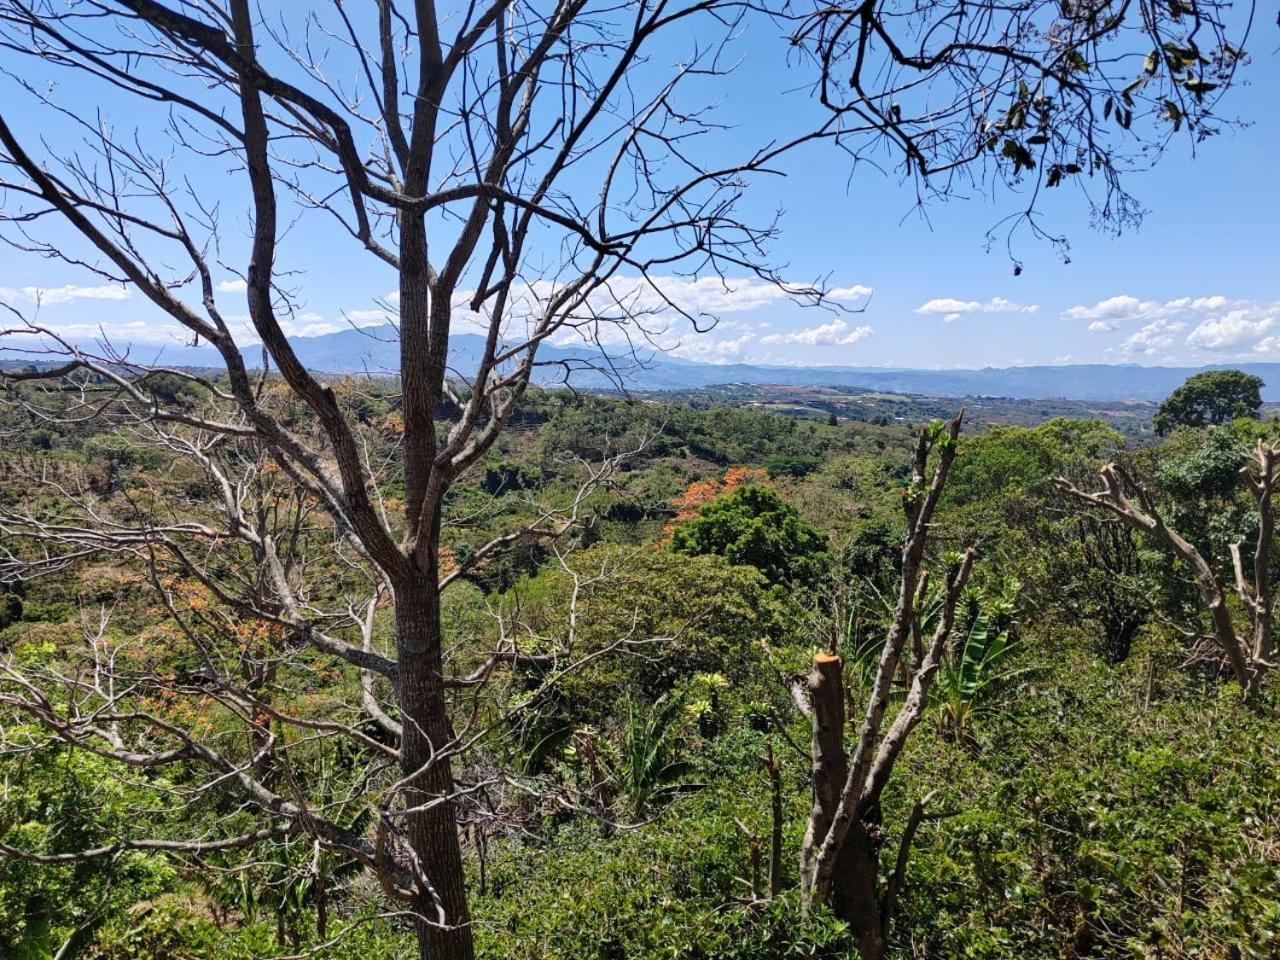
(1197, 283)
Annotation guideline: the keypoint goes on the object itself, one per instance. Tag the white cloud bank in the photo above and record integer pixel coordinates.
(656, 306)
(1216, 324)
(710, 350)
(667, 296)
(1151, 339)
(857, 292)
(952, 309)
(70, 293)
(835, 333)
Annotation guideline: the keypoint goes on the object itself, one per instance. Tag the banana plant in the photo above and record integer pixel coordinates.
(649, 773)
(972, 672)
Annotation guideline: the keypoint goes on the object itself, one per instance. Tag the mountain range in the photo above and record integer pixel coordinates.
(376, 351)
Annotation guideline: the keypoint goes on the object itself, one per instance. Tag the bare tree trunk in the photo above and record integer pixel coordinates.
(444, 931)
(855, 896)
(840, 856)
(774, 770)
(853, 882)
(830, 764)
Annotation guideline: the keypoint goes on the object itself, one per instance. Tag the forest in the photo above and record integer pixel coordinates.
(641, 682)
(460, 648)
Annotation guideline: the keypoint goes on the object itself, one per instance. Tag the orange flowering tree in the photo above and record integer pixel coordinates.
(701, 492)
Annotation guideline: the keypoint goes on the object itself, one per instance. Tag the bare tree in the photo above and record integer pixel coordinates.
(1094, 568)
(1248, 657)
(840, 857)
(532, 168)
(533, 171)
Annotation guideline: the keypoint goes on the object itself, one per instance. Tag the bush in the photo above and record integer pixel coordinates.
(690, 615)
(663, 891)
(1090, 825)
(752, 525)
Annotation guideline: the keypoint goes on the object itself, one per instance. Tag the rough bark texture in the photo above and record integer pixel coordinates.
(855, 894)
(829, 763)
(444, 933)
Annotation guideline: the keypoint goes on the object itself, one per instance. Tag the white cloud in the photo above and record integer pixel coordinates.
(709, 295)
(1235, 328)
(1108, 313)
(53, 296)
(365, 318)
(307, 324)
(709, 349)
(1151, 339)
(660, 298)
(856, 292)
(666, 296)
(1218, 323)
(952, 309)
(835, 333)
(627, 308)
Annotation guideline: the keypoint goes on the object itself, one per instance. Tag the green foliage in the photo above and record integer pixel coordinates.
(171, 388)
(57, 800)
(10, 609)
(790, 465)
(1007, 463)
(685, 616)
(1091, 824)
(507, 477)
(1107, 802)
(1089, 570)
(874, 552)
(650, 775)
(157, 930)
(752, 525)
(1209, 398)
(1204, 499)
(662, 891)
(973, 670)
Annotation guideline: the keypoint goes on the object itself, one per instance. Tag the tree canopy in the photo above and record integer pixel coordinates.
(1210, 398)
(752, 525)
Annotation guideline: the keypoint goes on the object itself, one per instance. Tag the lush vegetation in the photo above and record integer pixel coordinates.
(1210, 398)
(1097, 786)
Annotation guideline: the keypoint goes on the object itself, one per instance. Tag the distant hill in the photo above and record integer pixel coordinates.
(376, 351)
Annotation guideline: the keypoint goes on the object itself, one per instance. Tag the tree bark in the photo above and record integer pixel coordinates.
(830, 765)
(444, 931)
(853, 882)
(855, 896)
